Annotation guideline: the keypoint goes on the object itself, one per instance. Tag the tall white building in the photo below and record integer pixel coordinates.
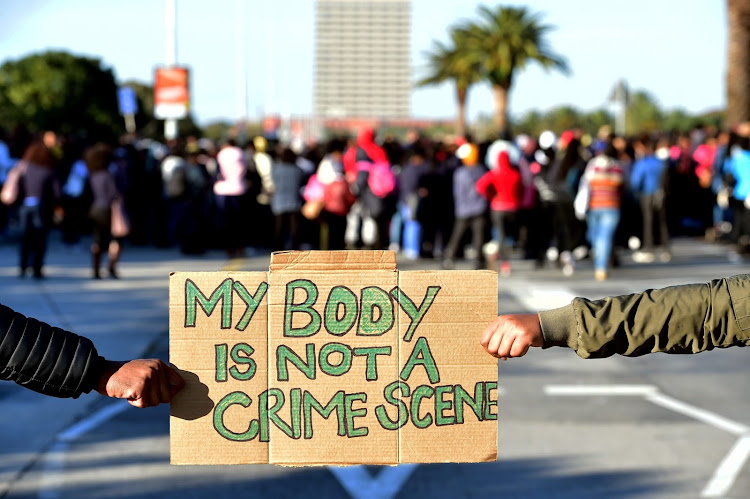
(362, 63)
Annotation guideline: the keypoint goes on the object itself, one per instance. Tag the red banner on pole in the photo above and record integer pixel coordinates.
(171, 93)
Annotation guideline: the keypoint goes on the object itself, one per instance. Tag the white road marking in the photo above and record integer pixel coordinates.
(730, 467)
(702, 415)
(361, 485)
(599, 390)
(725, 475)
(541, 298)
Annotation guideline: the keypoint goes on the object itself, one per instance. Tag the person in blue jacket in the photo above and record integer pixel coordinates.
(647, 183)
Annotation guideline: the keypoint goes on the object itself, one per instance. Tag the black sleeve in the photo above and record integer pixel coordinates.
(46, 359)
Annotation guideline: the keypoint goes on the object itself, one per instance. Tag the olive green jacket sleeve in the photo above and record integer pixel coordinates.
(679, 319)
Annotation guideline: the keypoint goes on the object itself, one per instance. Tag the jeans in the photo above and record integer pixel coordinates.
(602, 224)
(34, 238)
(411, 231)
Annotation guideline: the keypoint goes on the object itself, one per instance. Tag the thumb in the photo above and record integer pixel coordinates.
(175, 380)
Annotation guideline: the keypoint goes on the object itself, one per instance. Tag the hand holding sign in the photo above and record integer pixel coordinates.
(143, 382)
(512, 335)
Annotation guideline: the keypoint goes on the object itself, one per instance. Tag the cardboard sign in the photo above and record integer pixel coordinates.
(333, 358)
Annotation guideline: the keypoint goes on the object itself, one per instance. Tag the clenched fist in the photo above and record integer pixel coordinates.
(512, 335)
(143, 382)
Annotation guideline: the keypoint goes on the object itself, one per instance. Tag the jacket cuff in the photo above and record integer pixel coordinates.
(559, 327)
(93, 373)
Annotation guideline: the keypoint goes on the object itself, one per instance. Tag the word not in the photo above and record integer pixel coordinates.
(241, 354)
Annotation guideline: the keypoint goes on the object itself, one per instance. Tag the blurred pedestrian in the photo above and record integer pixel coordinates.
(647, 182)
(173, 171)
(75, 202)
(410, 235)
(435, 208)
(229, 191)
(738, 177)
(376, 184)
(603, 182)
(193, 226)
(469, 205)
(503, 187)
(329, 187)
(6, 163)
(286, 202)
(41, 197)
(104, 197)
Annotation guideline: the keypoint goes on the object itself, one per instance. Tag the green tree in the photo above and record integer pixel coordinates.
(593, 121)
(643, 114)
(562, 118)
(217, 130)
(456, 62)
(61, 92)
(531, 123)
(510, 38)
(678, 119)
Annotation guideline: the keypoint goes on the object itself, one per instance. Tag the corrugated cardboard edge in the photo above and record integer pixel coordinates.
(333, 260)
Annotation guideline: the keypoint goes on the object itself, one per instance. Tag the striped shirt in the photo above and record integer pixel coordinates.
(605, 183)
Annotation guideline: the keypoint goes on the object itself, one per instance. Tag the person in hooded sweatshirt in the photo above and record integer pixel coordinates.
(503, 187)
(470, 207)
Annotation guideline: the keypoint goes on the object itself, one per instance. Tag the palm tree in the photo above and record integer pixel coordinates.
(738, 62)
(510, 38)
(454, 62)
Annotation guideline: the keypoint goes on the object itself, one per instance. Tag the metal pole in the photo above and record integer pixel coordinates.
(241, 65)
(622, 103)
(170, 35)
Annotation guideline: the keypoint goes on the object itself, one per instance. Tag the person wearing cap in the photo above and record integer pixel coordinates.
(470, 207)
(685, 319)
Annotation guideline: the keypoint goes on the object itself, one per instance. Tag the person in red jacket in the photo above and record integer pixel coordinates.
(503, 187)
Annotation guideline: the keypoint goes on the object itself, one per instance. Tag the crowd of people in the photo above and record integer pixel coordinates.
(549, 198)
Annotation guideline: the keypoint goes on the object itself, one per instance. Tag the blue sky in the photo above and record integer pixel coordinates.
(675, 49)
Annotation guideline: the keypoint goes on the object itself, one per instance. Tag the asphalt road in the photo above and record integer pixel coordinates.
(653, 427)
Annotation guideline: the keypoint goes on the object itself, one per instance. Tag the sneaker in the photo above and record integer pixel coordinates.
(448, 264)
(552, 254)
(665, 257)
(643, 257)
(568, 263)
(568, 269)
(580, 252)
(600, 275)
(505, 269)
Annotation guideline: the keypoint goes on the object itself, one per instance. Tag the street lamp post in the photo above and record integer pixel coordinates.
(170, 32)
